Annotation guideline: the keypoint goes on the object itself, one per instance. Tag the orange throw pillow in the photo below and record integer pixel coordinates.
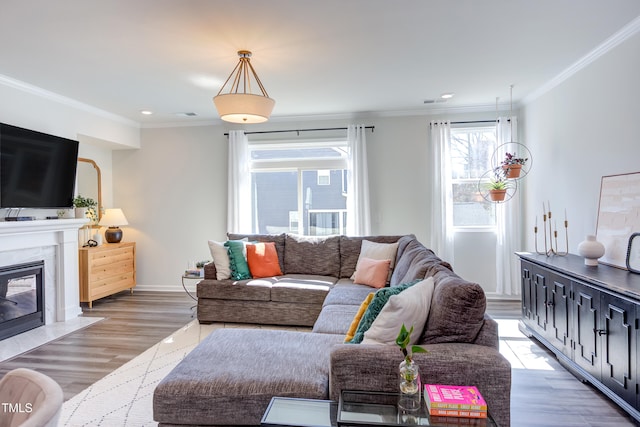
(356, 320)
(263, 260)
(372, 272)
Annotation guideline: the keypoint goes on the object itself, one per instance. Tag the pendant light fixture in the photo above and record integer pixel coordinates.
(239, 104)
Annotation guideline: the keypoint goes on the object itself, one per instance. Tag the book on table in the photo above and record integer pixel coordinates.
(458, 421)
(455, 401)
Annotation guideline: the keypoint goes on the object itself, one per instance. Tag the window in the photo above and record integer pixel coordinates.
(324, 177)
(297, 187)
(471, 150)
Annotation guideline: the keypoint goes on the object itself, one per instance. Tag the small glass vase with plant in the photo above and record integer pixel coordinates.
(409, 374)
(512, 165)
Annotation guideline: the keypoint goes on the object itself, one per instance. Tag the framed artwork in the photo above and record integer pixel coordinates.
(633, 254)
(618, 216)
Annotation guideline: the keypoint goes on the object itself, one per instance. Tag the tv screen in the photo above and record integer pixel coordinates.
(37, 170)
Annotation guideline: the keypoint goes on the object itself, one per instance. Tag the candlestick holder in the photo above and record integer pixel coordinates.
(551, 247)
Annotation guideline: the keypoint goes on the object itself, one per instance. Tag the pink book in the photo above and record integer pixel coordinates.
(458, 397)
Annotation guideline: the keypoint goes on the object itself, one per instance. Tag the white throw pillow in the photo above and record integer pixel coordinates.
(220, 259)
(410, 307)
(377, 251)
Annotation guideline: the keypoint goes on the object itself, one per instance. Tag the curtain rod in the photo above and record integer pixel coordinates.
(475, 121)
(299, 130)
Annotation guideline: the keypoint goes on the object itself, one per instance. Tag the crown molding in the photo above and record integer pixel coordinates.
(60, 99)
(616, 39)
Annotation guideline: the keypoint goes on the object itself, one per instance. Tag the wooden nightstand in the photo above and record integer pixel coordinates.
(106, 269)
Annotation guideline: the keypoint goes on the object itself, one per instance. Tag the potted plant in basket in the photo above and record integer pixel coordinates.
(85, 208)
(512, 165)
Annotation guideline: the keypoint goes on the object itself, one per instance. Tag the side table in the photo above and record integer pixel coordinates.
(184, 286)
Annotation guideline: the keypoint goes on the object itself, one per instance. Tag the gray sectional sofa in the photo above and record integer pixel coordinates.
(230, 377)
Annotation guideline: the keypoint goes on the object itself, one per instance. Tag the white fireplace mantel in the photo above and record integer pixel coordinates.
(23, 241)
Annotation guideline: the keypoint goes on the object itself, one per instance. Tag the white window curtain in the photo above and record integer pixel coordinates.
(508, 220)
(441, 201)
(358, 214)
(239, 188)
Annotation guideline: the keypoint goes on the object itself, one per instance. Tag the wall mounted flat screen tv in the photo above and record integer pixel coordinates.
(37, 170)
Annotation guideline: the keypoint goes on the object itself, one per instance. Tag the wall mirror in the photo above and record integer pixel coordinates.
(90, 181)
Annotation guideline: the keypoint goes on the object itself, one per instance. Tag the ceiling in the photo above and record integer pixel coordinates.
(327, 58)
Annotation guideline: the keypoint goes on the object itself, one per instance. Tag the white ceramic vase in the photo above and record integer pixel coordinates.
(591, 250)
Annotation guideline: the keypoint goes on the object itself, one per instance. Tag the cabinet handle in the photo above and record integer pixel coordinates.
(601, 331)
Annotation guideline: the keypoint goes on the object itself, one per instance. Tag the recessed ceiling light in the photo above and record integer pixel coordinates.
(146, 112)
(447, 95)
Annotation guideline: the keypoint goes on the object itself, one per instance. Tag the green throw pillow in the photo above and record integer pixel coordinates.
(375, 306)
(237, 260)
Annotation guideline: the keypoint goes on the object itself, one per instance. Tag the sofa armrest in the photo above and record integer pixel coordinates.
(375, 368)
(210, 271)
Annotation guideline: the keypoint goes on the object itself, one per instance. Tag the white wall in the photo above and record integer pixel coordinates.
(581, 130)
(173, 191)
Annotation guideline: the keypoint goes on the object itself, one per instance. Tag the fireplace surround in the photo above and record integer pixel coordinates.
(21, 298)
(55, 243)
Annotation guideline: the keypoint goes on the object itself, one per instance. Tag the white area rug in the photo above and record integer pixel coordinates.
(125, 396)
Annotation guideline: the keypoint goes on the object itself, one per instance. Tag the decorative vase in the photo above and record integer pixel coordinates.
(512, 171)
(497, 195)
(591, 250)
(409, 386)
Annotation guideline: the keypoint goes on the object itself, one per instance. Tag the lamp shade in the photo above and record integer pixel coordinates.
(243, 107)
(113, 218)
(236, 103)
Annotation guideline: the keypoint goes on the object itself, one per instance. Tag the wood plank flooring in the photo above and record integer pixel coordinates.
(543, 392)
(132, 324)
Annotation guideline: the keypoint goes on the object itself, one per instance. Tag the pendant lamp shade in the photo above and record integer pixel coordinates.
(239, 104)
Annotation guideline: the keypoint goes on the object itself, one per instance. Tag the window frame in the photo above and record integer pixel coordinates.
(299, 165)
(471, 228)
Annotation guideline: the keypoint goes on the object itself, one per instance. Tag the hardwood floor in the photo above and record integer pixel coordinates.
(132, 324)
(543, 392)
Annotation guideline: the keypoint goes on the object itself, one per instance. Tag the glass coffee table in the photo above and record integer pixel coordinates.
(360, 408)
(357, 409)
(294, 412)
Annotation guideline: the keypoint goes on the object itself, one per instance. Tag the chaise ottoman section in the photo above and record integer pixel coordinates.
(231, 376)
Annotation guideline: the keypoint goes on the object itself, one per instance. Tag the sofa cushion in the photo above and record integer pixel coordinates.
(356, 319)
(345, 292)
(243, 290)
(278, 239)
(378, 251)
(457, 310)
(305, 289)
(375, 306)
(335, 319)
(410, 252)
(237, 388)
(263, 260)
(350, 251)
(372, 272)
(312, 255)
(238, 259)
(220, 255)
(410, 308)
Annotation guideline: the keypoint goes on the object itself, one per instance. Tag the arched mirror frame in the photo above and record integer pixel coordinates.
(99, 174)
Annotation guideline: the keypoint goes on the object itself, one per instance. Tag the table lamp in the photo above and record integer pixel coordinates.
(113, 218)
